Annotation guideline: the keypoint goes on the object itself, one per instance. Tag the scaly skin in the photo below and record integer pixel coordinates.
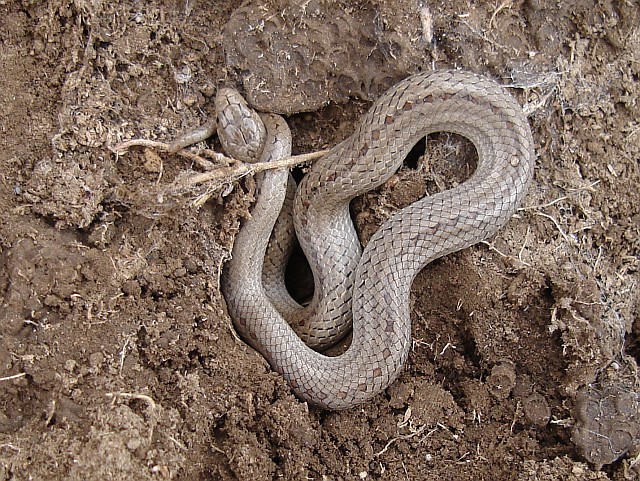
(375, 287)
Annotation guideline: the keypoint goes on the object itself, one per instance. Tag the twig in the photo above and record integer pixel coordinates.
(131, 395)
(507, 256)
(503, 5)
(529, 107)
(123, 353)
(202, 162)
(15, 376)
(418, 431)
(482, 35)
(542, 206)
(217, 449)
(177, 443)
(589, 188)
(240, 169)
(288, 162)
(555, 222)
(10, 446)
(223, 171)
(526, 238)
(123, 147)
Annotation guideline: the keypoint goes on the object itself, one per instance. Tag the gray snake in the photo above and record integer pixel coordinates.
(373, 286)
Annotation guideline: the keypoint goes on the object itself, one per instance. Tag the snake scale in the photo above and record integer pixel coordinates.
(371, 286)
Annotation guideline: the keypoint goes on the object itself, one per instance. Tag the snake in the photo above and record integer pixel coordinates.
(367, 290)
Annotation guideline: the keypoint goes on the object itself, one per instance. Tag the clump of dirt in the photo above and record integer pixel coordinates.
(117, 357)
(298, 58)
(607, 415)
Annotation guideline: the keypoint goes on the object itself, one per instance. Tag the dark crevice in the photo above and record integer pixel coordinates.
(416, 152)
(298, 276)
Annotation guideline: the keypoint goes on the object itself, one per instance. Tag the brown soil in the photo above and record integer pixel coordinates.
(117, 358)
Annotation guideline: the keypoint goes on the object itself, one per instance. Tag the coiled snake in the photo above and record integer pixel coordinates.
(374, 286)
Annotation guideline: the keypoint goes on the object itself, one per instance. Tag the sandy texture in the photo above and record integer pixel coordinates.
(117, 358)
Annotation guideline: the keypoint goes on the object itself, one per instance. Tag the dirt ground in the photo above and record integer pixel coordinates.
(117, 358)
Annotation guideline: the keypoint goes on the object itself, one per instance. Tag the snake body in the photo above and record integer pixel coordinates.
(374, 287)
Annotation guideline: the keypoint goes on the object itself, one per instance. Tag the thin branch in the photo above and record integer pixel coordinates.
(130, 395)
(240, 169)
(15, 376)
(555, 222)
(214, 172)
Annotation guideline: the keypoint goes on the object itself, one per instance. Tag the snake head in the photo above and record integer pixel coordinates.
(240, 129)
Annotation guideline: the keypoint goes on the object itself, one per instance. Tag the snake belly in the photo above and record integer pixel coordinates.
(374, 288)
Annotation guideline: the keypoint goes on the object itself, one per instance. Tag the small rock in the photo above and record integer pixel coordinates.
(502, 379)
(537, 410)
